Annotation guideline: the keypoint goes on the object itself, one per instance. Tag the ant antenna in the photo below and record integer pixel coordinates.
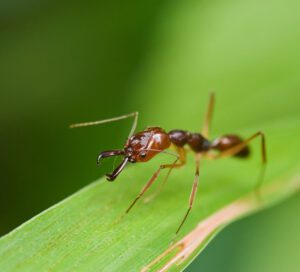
(93, 123)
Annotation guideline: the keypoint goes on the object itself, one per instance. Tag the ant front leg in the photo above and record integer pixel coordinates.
(151, 181)
(182, 158)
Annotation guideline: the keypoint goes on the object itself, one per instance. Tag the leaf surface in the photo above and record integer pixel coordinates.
(85, 232)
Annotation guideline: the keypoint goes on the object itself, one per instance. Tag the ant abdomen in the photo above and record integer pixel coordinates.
(226, 142)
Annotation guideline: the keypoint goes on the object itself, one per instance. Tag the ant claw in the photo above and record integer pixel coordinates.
(110, 177)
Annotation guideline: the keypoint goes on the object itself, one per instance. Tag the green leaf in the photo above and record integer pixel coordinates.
(85, 231)
(248, 52)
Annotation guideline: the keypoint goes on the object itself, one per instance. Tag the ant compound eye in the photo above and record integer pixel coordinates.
(143, 155)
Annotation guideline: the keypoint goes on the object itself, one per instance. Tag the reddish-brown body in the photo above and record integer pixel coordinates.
(144, 145)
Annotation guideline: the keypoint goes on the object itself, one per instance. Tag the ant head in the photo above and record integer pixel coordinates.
(144, 145)
(140, 147)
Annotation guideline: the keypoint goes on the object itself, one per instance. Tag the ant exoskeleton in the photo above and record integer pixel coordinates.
(144, 145)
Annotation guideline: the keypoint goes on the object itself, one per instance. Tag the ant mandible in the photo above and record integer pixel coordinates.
(144, 145)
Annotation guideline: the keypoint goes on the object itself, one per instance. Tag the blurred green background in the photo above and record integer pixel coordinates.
(66, 62)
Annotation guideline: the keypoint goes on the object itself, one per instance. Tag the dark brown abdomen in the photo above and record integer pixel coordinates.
(227, 141)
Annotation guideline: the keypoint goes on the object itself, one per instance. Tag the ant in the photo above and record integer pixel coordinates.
(144, 145)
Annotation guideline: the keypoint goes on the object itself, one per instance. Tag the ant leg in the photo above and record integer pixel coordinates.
(193, 192)
(208, 116)
(133, 114)
(150, 182)
(182, 158)
(236, 149)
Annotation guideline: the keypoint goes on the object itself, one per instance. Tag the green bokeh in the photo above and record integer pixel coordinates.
(69, 62)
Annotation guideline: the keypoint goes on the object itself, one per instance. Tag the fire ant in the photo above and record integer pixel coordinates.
(144, 145)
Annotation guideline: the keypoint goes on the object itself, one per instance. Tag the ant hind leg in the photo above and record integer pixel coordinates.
(193, 192)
